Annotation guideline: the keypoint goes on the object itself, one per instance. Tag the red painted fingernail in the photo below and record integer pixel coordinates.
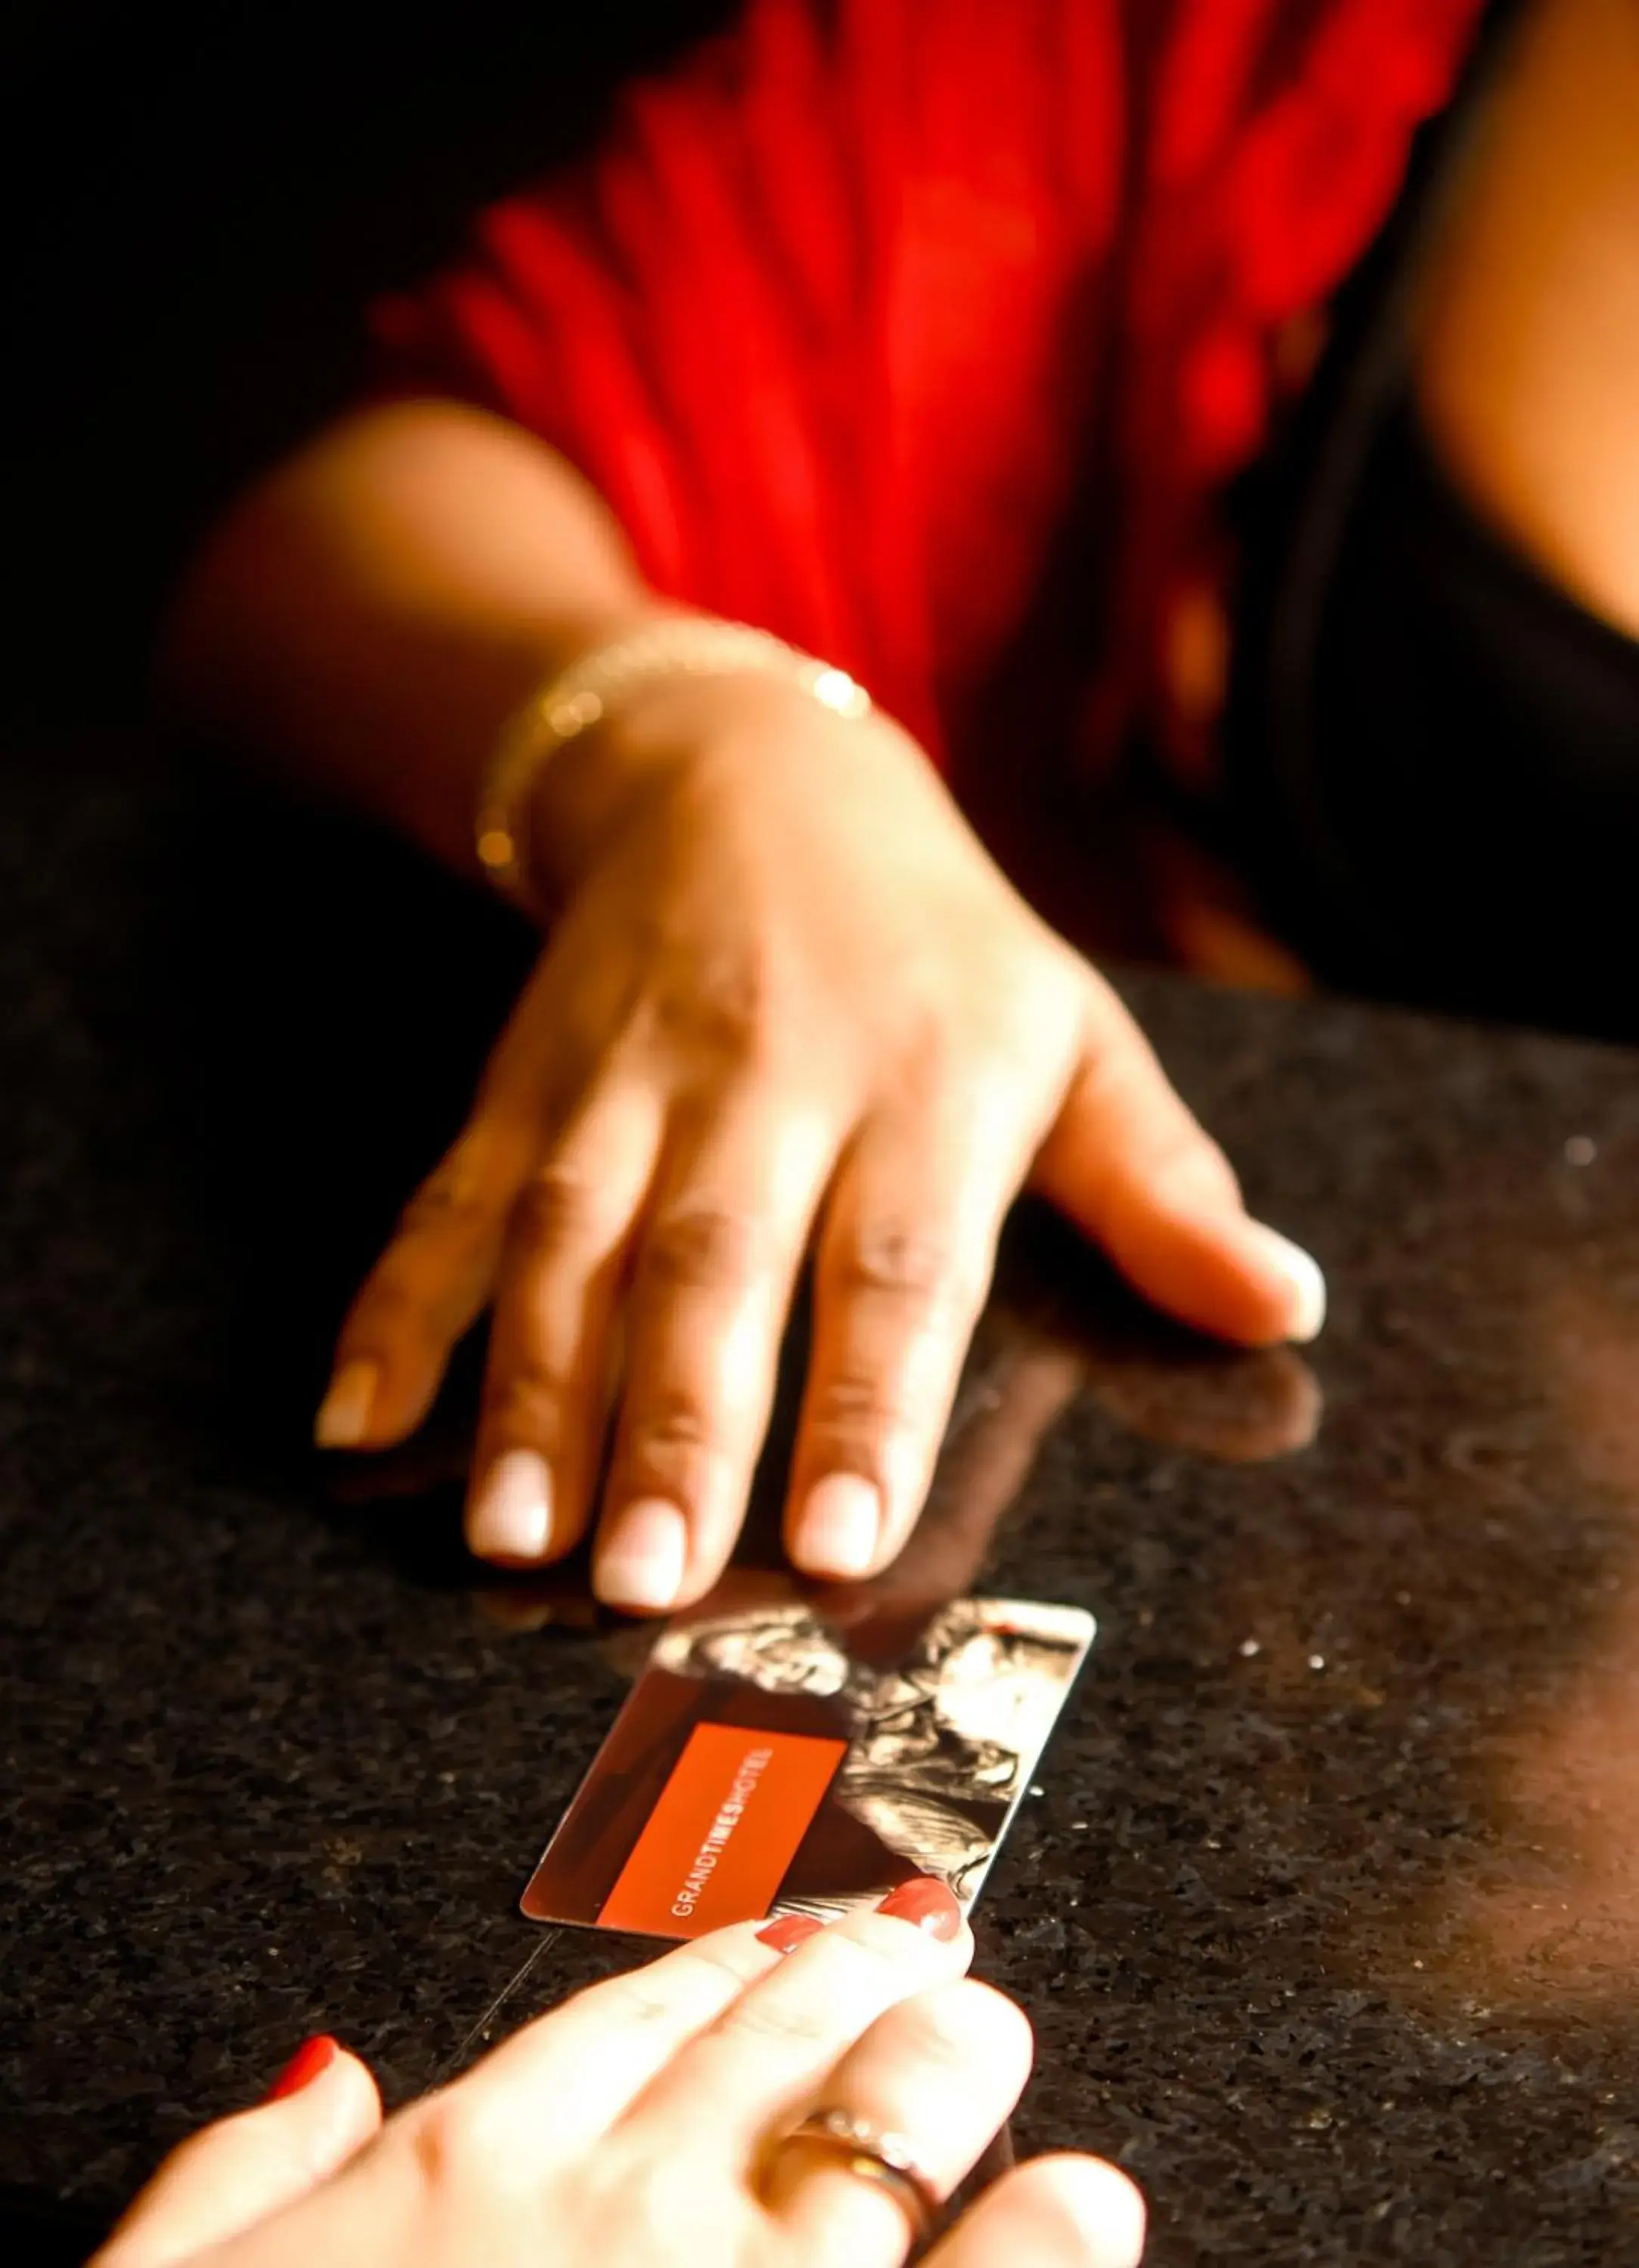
(786, 1931)
(925, 1905)
(313, 2056)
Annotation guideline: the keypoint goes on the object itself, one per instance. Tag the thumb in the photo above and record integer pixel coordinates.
(1128, 1163)
(321, 2111)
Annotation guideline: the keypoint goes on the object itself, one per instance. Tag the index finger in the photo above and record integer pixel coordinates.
(776, 2041)
(587, 2061)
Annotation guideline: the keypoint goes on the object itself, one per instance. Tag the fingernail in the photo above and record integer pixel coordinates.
(926, 1905)
(640, 1563)
(1301, 1273)
(786, 1931)
(313, 2056)
(343, 1417)
(511, 1517)
(836, 1534)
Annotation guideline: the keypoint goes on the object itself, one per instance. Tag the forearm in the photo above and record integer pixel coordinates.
(370, 615)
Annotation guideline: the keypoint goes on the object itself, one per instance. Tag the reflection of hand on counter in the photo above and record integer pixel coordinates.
(1240, 1408)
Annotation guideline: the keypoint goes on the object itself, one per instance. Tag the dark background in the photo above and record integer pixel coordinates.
(200, 198)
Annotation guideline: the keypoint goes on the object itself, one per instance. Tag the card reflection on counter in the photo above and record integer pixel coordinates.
(766, 1762)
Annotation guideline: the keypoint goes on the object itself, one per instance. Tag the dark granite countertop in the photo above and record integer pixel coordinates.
(1326, 1911)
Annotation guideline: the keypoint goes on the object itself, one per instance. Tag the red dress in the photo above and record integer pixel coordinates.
(826, 314)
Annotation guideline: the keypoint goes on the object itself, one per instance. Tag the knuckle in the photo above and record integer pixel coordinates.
(557, 1208)
(933, 2037)
(771, 2019)
(638, 2005)
(671, 1424)
(907, 1263)
(704, 1247)
(448, 1201)
(733, 1011)
(895, 1258)
(459, 2138)
(668, 1447)
(525, 1404)
(685, 1995)
(721, 1969)
(966, 2025)
(852, 1405)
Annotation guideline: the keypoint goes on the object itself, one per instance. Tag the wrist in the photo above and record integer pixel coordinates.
(581, 797)
(621, 721)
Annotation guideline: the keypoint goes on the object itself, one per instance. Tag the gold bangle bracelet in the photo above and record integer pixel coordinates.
(592, 686)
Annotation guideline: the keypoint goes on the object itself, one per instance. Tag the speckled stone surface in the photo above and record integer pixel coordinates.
(1328, 1911)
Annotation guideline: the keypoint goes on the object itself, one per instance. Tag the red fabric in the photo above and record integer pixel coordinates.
(826, 316)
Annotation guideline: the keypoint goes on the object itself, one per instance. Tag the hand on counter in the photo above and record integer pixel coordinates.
(654, 2118)
(790, 1001)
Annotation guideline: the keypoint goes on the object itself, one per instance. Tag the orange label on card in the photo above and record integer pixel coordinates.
(725, 1829)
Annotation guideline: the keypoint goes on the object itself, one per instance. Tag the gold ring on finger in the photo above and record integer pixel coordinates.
(874, 2153)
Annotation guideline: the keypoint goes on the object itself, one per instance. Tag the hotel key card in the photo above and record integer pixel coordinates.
(768, 1762)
